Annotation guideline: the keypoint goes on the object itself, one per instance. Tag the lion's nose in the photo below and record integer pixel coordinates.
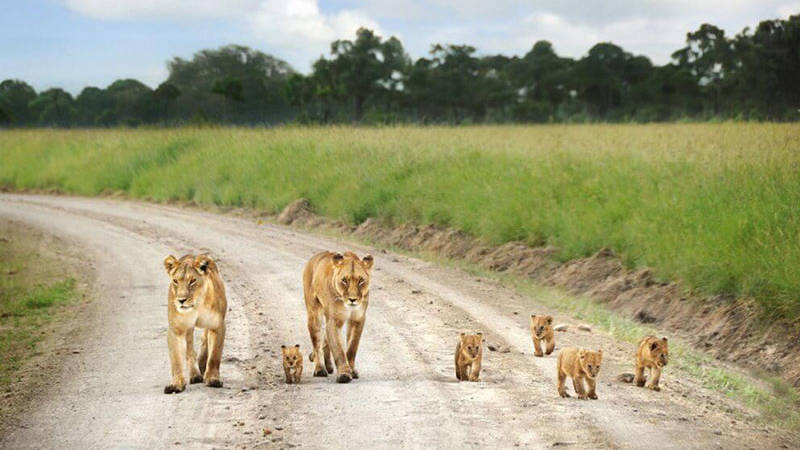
(352, 299)
(182, 300)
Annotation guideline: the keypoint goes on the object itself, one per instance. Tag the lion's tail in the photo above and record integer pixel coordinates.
(625, 378)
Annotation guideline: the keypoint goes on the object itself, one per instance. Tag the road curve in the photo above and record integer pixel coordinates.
(110, 394)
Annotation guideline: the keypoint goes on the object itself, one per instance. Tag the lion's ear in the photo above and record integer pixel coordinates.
(368, 261)
(338, 259)
(549, 320)
(283, 346)
(204, 263)
(533, 316)
(169, 263)
(296, 345)
(664, 339)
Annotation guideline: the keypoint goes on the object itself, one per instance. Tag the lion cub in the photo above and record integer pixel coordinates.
(579, 364)
(652, 354)
(469, 352)
(292, 363)
(542, 330)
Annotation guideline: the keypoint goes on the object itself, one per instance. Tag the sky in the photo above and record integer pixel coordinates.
(77, 43)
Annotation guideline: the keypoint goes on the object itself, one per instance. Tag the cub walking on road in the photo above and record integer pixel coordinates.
(196, 298)
(542, 330)
(652, 354)
(579, 364)
(292, 363)
(469, 352)
(336, 290)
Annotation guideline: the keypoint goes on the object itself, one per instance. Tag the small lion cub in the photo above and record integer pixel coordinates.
(469, 352)
(542, 330)
(652, 354)
(292, 363)
(579, 364)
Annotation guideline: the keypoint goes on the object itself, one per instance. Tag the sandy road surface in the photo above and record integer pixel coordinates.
(110, 394)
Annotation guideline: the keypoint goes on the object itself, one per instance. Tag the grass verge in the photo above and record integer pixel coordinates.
(712, 206)
(30, 296)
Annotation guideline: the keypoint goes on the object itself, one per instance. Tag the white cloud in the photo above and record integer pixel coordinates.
(301, 31)
(789, 9)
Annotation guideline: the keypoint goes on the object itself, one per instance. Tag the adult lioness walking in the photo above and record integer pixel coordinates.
(336, 288)
(196, 299)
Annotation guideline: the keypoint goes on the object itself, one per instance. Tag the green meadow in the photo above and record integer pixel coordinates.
(714, 205)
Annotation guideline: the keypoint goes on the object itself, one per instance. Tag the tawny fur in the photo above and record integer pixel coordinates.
(336, 291)
(580, 365)
(196, 298)
(542, 332)
(652, 354)
(469, 353)
(292, 363)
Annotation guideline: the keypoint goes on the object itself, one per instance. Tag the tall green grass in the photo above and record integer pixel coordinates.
(712, 205)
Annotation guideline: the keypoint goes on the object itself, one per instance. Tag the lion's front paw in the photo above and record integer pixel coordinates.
(654, 388)
(321, 372)
(196, 379)
(173, 389)
(355, 374)
(593, 396)
(564, 394)
(344, 378)
(214, 383)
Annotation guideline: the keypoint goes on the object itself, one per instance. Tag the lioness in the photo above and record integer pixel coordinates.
(542, 330)
(579, 364)
(469, 353)
(196, 297)
(292, 363)
(336, 288)
(652, 354)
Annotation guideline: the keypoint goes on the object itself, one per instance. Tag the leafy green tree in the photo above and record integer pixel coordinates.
(165, 95)
(54, 107)
(365, 69)
(262, 78)
(91, 103)
(132, 102)
(15, 96)
(543, 81)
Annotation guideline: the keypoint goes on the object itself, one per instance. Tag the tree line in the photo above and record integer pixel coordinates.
(754, 75)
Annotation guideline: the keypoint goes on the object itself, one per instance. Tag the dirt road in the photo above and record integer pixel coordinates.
(110, 394)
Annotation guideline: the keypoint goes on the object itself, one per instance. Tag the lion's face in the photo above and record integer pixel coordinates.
(540, 324)
(291, 355)
(660, 352)
(471, 344)
(187, 279)
(351, 277)
(590, 362)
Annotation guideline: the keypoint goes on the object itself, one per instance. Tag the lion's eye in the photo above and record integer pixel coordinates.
(175, 281)
(194, 280)
(344, 281)
(361, 281)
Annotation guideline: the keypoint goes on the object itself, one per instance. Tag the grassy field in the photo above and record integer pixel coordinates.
(712, 205)
(29, 290)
